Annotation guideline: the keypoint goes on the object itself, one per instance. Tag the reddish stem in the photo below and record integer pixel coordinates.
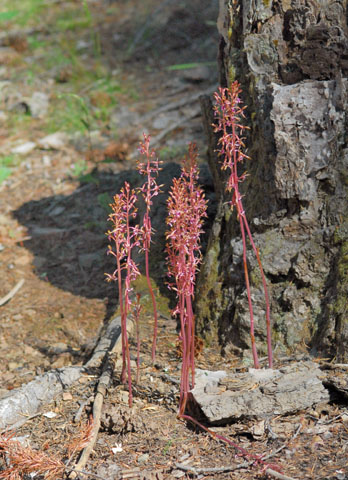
(265, 289)
(120, 294)
(129, 373)
(247, 283)
(150, 189)
(191, 337)
(126, 237)
(241, 216)
(184, 385)
(243, 452)
(229, 114)
(137, 314)
(147, 222)
(127, 304)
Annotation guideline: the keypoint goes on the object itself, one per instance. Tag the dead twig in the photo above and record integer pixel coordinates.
(102, 387)
(198, 471)
(272, 454)
(12, 293)
(30, 398)
(97, 407)
(275, 474)
(85, 472)
(20, 423)
(332, 366)
(183, 102)
(230, 468)
(173, 126)
(83, 404)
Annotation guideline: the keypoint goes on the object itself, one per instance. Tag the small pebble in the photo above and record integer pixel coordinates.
(67, 396)
(143, 458)
(124, 397)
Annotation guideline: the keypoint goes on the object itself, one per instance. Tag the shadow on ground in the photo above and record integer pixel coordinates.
(67, 233)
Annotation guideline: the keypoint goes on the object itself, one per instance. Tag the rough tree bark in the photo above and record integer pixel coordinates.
(291, 58)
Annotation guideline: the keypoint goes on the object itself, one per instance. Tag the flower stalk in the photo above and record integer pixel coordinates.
(136, 314)
(229, 113)
(125, 238)
(186, 212)
(150, 169)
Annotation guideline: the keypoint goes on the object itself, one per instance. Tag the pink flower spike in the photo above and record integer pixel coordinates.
(186, 212)
(150, 169)
(125, 237)
(229, 113)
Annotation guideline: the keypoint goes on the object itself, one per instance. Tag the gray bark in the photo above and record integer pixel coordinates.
(258, 393)
(291, 59)
(27, 400)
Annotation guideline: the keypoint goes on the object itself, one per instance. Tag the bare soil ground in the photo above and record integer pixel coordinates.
(108, 71)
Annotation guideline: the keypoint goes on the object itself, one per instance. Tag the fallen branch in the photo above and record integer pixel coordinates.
(173, 126)
(28, 400)
(183, 102)
(109, 341)
(332, 366)
(230, 468)
(12, 293)
(103, 385)
(257, 393)
(275, 474)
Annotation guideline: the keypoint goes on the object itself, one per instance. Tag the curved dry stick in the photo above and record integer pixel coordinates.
(230, 468)
(12, 293)
(103, 384)
(275, 474)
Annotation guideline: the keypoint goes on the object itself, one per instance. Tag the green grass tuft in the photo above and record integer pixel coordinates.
(6, 166)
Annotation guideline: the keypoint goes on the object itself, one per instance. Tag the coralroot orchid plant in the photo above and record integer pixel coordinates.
(125, 238)
(229, 114)
(186, 211)
(150, 169)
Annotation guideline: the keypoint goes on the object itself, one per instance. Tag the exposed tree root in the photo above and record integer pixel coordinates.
(24, 402)
(103, 385)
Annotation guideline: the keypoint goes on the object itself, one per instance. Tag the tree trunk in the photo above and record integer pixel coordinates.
(291, 59)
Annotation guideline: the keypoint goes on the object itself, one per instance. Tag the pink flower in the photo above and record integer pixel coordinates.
(229, 114)
(186, 212)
